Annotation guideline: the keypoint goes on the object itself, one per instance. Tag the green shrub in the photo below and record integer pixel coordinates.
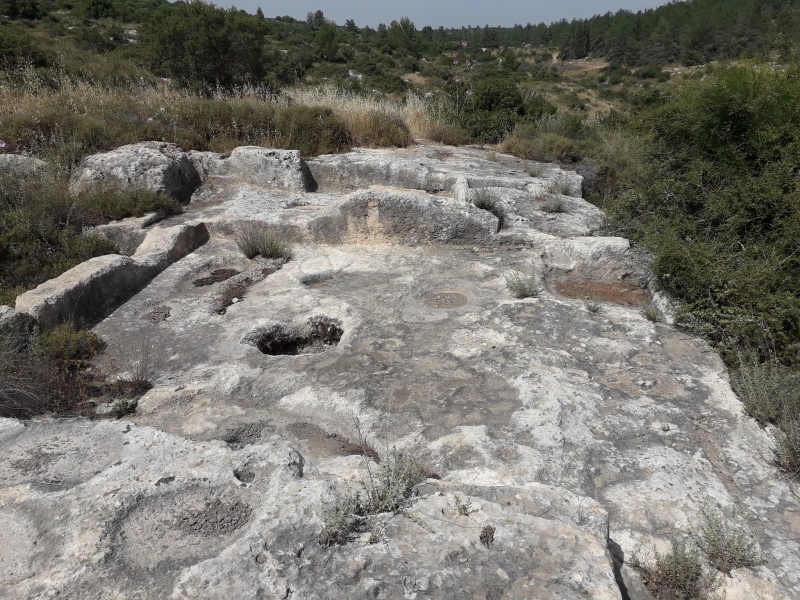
(18, 49)
(523, 286)
(202, 45)
(717, 203)
(490, 111)
(64, 133)
(42, 227)
(529, 143)
(725, 547)
(311, 130)
(259, 240)
(125, 407)
(769, 390)
(677, 575)
(67, 346)
(787, 453)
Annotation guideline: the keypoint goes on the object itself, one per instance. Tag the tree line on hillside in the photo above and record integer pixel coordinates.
(197, 42)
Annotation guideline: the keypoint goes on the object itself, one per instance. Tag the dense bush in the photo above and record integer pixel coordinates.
(201, 45)
(18, 49)
(488, 111)
(40, 234)
(311, 130)
(46, 372)
(66, 346)
(720, 205)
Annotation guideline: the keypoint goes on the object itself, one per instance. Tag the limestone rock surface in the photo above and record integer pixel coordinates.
(13, 323)
(434, 169)
(152, 166)
(91, 288)
(381, 214)
(253, 165)
(554, 441)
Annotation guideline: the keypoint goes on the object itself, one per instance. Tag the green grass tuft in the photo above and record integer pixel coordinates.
(259, 240)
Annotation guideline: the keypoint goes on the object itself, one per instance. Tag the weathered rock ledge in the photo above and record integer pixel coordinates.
(564, 439)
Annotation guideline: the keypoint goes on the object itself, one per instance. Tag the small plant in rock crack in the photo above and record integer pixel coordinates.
(726, 547)
(677, 574)
(486, 200)
(554, 206)
(523, 286)
(256, 239)
(231, 293)
(385, 490)
(651, 312)
(140, 359)
(463, 506)
(534, 169)
(126, 407)
(365, 447)
(593, 305)
(561, 186)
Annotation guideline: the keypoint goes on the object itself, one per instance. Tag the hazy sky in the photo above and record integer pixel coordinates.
(441, 12)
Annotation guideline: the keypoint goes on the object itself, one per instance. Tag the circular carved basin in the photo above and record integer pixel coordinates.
(444, 299)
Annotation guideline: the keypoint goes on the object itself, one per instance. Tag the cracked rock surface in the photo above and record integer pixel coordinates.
(573, 438)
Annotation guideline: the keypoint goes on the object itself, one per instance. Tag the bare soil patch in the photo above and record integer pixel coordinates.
(619, 292)
(444, 299)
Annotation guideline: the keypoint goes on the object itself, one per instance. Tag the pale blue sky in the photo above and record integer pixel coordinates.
(441, 12)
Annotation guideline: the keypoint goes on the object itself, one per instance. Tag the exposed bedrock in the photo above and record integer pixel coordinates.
(152, 166)
(256, 166)
(94, 287)
(433, 169)
(551, 438)
(165, 168)
(380, 214)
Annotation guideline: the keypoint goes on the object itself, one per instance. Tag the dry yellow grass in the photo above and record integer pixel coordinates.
(372, 120)
(415, 78)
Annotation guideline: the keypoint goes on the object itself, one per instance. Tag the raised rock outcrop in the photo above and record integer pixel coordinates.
(153, 166)
(381, 214)
(256, 166)
(433, 169)
(13, 323)
(92, 288)
(554, 441)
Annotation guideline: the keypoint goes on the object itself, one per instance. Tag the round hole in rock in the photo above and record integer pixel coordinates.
(245, 474)
(317, 335)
